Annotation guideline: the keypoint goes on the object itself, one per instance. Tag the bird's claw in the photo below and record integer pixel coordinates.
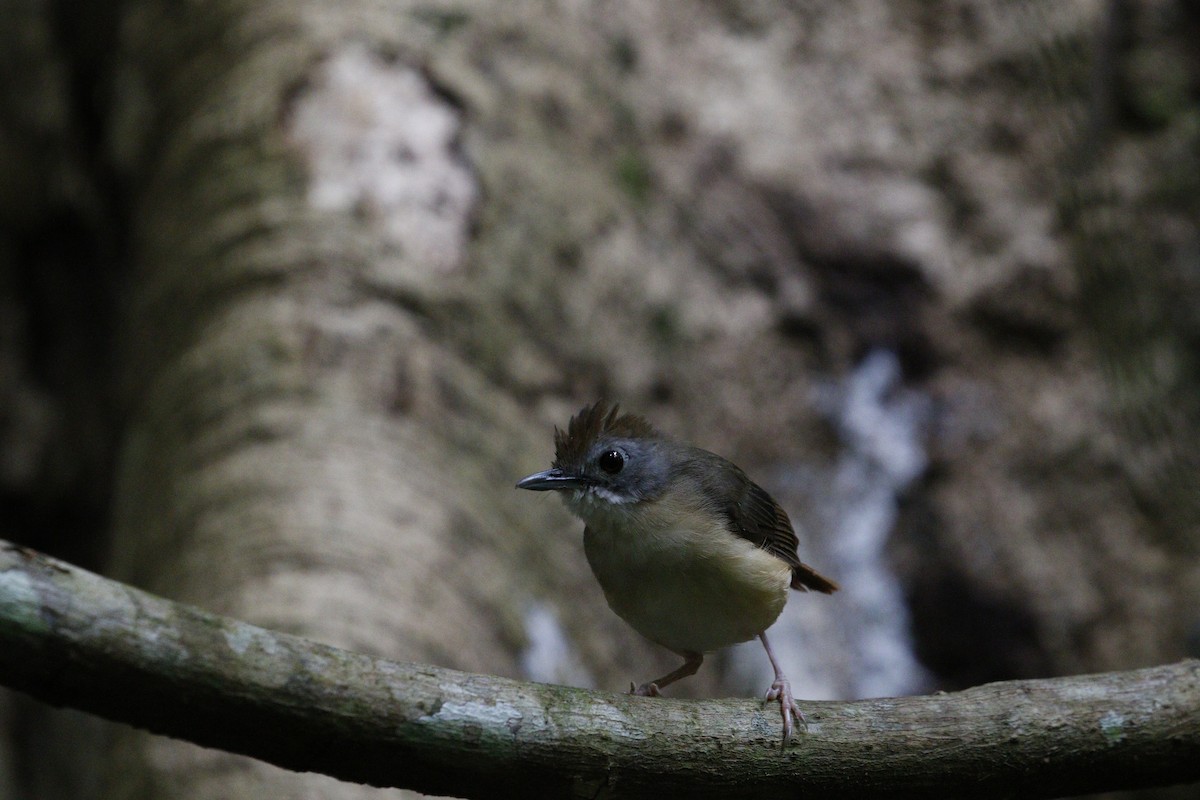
(645, 690)
(781, 690)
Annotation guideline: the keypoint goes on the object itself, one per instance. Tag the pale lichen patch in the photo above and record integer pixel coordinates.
(381, 143)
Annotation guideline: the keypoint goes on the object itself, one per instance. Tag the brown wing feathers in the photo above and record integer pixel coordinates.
(760, 519)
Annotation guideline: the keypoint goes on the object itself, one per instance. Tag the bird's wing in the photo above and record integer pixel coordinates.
(754, 515)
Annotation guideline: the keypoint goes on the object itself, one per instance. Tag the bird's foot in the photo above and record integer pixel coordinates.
(781, 690)
(645, 690)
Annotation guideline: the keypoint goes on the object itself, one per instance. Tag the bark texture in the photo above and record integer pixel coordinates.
(73, 638)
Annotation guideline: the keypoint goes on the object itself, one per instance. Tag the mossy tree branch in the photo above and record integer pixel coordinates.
(72, 638)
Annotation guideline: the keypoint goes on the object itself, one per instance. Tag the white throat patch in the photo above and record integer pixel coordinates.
(594, 500)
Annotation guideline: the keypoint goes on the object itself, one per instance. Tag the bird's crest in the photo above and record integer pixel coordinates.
(589, 425)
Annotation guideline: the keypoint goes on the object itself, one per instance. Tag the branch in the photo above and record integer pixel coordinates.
(69, 637)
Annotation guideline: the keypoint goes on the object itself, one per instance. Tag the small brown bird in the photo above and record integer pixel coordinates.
(688, 550)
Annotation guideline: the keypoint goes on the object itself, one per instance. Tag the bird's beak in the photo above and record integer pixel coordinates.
(551, 479)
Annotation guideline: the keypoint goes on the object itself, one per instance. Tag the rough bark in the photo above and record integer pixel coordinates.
(72, 638)
(305, 446)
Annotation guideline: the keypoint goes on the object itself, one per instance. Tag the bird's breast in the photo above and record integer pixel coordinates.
(681, 578)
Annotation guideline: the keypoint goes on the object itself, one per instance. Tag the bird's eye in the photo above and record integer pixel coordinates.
(611, 461)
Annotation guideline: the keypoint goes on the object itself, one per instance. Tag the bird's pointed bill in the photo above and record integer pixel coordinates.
(551, 479)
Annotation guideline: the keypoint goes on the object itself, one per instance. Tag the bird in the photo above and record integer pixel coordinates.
(689, 551)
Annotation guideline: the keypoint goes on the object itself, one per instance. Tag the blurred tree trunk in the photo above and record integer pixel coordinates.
(305, 448)
(293, 291)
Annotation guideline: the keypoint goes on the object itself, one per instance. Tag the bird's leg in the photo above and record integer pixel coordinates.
(781, 690)
(689, 667)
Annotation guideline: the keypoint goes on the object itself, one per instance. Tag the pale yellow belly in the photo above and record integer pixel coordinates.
(688, 589)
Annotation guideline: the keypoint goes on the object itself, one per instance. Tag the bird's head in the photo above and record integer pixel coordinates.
(605, 460)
